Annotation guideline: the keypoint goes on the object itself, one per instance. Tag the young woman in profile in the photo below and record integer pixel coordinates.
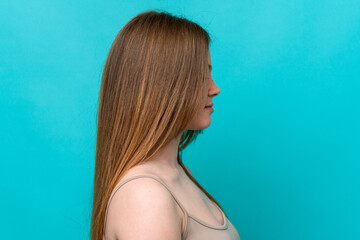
(155, 98)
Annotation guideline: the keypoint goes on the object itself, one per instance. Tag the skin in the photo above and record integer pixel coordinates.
(166, 161)
(161, 218)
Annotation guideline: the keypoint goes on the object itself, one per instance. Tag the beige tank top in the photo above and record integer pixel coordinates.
(195, 228)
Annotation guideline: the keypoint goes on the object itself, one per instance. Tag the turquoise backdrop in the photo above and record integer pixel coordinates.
(283, 149)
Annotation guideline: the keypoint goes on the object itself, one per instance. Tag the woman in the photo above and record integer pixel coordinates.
(154, 100)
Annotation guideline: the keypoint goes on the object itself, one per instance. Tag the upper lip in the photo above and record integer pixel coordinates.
(210, 105)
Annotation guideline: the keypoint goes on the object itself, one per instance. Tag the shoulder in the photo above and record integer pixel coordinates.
(188, 170)
(143, 206)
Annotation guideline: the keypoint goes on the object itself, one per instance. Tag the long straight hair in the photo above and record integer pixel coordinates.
(153, 83)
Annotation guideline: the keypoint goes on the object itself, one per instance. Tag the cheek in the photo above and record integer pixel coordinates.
(202, 114)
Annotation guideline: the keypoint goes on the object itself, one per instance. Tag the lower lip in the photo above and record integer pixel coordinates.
(210, 108)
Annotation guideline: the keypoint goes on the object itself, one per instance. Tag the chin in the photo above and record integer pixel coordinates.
(205, 124)
(200, 124)
(208, 125)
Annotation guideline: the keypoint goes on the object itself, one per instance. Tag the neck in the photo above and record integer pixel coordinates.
(166, 159)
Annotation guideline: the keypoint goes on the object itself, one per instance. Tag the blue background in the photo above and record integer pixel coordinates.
(281, 155)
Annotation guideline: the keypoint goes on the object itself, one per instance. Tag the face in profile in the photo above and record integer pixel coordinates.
(202, 119)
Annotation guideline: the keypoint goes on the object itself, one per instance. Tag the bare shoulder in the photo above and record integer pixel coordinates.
(188, 170)
(143, 207)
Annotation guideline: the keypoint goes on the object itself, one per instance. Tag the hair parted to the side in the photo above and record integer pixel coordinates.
(153, 83)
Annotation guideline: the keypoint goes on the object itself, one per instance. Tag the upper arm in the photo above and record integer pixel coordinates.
(143, 209)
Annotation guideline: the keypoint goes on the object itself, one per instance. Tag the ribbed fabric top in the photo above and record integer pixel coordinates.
(195, 228)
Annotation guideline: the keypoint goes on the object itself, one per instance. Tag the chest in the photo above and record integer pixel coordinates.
(197, 204)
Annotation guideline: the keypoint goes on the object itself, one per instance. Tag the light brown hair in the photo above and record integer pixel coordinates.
(153, 83)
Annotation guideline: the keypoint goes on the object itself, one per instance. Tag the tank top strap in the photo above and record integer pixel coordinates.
(142, 176)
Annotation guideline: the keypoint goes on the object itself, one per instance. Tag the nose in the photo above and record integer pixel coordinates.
(213, 89)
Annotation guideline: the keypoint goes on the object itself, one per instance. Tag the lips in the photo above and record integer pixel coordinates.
(209, 105)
